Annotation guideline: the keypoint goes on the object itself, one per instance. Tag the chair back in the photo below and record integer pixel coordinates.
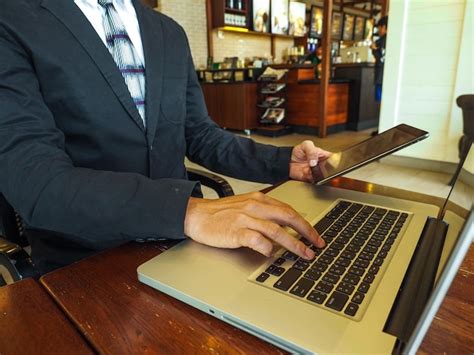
(466, 103)
(11, 223)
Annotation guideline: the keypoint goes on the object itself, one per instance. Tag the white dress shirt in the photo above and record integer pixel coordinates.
(95, 12)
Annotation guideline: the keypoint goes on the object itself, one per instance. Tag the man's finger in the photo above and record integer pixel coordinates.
(276, 233)
(310, 151)
(285, 215)
(256, 241)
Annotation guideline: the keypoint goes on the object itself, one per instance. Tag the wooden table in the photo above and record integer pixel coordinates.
(118, 314)
(31, 323)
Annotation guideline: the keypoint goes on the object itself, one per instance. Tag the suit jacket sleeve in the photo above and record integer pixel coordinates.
(225, 152)
(39, 179)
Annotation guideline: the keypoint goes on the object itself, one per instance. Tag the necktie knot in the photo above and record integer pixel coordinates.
(105, 3)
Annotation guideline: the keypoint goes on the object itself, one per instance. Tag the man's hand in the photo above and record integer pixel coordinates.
(305, 156)
(251, 220)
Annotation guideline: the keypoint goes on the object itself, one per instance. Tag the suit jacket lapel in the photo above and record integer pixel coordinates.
(152, 38)
(73, 18)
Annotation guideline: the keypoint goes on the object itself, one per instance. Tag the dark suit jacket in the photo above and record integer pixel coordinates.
(379, 55)
(75, 159)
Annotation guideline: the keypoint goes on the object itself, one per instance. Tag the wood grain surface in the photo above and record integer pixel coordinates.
(31, 323)
(118, 314)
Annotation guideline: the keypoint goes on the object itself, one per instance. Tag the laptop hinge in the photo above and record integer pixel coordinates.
(418, 282)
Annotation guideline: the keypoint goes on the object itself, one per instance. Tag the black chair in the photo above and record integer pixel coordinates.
(466, 103)
(16, 263)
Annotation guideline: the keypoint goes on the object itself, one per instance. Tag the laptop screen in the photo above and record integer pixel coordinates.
(454, 243)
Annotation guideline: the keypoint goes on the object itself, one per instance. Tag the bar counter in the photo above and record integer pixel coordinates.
(233, 105)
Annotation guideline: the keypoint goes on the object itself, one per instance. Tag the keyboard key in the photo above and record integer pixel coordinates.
(279, 261)
(332, 252)
(348, 254)
(337, 269)
(358, 241)
(289, 255)
(326, 259)
(368, 209)
(270, 269)
(351, 309)
(374, 243)
(288, 279)
(380, 211)
(366, 256)
(358, 297)
(313, 274)
(369, 278)
(262, 277)
(351, 278)
(362, 263)
(302, 287)
(324, 287)
(389, 241)
(357, 270)
(337, 245)
(278, 271)
(342, 240)
(355, 207)
(378, 261)
(331, 278)
(345, 288)
(323, 224)
(374, 269)
(343, 262)
(337, 300)
(317, 297)
(370, 249)
(330, 234)
(363, 287)
(319, 266)
(353, 248)
(301, 265)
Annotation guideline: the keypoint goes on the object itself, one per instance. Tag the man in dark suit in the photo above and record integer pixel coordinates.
(91, 160)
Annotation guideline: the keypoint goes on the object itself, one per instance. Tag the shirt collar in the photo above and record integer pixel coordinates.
(94, 2)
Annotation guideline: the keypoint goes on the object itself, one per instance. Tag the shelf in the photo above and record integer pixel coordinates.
(235, 11)
(239, 29)
(274, 130)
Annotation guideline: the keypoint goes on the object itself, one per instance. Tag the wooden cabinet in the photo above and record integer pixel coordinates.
(232, 105)
(304, 101)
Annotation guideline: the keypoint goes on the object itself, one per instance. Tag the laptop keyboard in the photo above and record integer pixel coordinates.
(344, 274)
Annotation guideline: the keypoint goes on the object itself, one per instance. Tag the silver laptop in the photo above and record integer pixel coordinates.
(347, 299)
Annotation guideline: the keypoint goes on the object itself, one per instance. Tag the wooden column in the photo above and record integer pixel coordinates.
(326, 67)
(210, 46)
(385, 4)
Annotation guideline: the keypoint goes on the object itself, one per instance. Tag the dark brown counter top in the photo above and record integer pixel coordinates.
(317, 81)
(349, 65)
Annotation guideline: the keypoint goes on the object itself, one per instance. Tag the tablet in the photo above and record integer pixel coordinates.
(374, 148)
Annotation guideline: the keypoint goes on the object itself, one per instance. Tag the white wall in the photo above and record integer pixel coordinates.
(191, 14)
(429, 62)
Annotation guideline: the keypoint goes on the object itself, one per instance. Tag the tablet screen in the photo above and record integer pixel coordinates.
(367, 151)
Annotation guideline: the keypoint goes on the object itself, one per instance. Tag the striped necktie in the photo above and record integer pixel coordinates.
(121, 48)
